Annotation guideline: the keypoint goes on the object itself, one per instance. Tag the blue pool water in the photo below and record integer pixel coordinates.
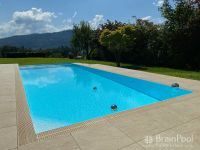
(62, 95)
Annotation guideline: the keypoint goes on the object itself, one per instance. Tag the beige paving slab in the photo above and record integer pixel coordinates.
(189, 129)
(137, 126)
(8, 80)
(187, 110)
(7, 90)
(176, 138)
(6, 67)
(8, 138)
(10, 98)
(156, 143)
(101, 137)
(195, 101)
(7, 119)
(141, 124)
(60, 143)
(133, 147)
(7, 77)
(195, 87)
(165, 117)
(7, 107)
(9, 73)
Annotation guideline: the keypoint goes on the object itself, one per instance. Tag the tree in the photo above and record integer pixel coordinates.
(112, 25)
(117, 40)
(148, 42)
(81, 39)
(182, 28)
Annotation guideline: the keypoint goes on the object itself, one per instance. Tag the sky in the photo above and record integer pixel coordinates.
(20, 17)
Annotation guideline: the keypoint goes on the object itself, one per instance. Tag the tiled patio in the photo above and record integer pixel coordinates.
(179, 116)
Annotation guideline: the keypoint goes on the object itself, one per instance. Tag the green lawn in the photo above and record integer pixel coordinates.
(167, 71)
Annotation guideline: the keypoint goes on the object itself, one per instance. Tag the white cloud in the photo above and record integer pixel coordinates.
(67, 24)
(75, 14)
(96, 21)
(26, 22)
(34, 14)
(155, 20)
(146, 18)
(36, 20)
(158, 20)
(158, 3)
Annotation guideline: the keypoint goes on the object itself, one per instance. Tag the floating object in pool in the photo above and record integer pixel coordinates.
(175, 85)
(114, 107)
(95, 88)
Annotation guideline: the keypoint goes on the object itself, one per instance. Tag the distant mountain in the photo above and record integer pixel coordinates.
(36, 41)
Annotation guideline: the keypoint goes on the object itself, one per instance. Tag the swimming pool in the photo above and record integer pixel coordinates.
(66, 94)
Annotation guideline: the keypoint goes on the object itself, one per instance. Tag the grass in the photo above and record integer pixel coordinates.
(32, 61)
(160, 70)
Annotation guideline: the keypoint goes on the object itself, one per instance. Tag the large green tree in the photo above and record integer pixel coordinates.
(118, 40)
(81, 40)
(146, 48)
(182, 31)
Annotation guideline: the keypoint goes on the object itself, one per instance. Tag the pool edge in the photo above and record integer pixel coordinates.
(25, 130)
(26, 133)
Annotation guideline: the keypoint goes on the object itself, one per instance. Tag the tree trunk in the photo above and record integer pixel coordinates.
(87, 57)
(118, 64)
(87, 54)
(118, 58)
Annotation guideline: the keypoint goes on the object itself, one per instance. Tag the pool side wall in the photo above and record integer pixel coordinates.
(26, 133)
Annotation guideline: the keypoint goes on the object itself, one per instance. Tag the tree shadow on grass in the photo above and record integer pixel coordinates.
(134, 67)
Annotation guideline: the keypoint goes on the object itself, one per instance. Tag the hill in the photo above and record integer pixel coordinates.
(36, 41)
